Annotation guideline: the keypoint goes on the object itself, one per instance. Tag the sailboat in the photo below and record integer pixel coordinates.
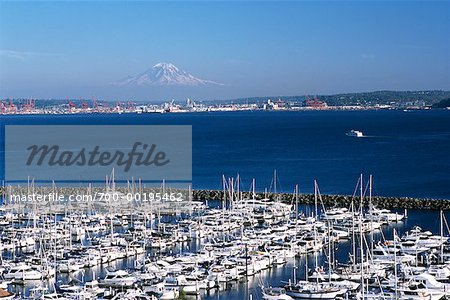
(305, 289)
(313, 290)
(275, 293)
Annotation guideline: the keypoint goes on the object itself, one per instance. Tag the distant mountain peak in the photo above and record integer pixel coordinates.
(165, 65)
(165, 74)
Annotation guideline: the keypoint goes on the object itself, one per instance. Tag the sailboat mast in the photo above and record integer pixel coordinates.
(371, 219)
(361, 236)
(395, 264)
(442, 236)
(353, 235)
(306, 266)
(113, 184)
(253, 188)
(329, 251)
(232, 192)
(275, 182)
(315, 198)
(296, 205)
(224, 182)
(238, 188)
(361, 195)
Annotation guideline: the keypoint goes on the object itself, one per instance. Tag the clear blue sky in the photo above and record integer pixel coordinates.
(58, 49)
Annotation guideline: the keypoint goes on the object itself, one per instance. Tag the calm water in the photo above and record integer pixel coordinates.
(407, 152)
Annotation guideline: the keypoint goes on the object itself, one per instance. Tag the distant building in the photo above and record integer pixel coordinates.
(190, 105)
(275, 105)
(315, 103)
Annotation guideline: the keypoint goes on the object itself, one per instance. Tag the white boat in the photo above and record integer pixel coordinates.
(135, 294)
(384, 215)
(386, 255)
(70, 265)
(54, 296)
(4, 283)
(275, 293)
(418, 291)
(23, 272)
(93, 287)
(190, 287)
(310, 290)
(430, 282)
(334, 279)
(424, 238)
(119, 278)
(355, 133)
(162, 292)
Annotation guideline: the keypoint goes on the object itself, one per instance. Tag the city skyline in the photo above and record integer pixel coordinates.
(78, 49)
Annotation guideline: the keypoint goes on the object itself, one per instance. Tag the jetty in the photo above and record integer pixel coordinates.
(328, 200)
(337, 200)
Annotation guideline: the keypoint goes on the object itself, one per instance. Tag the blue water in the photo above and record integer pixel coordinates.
(407, 152)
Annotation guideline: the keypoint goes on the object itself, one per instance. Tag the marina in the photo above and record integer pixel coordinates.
(236, 247)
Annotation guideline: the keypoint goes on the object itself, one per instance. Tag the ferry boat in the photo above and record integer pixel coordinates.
(354, 133)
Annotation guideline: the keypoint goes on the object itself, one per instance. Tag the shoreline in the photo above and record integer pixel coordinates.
(330, 108)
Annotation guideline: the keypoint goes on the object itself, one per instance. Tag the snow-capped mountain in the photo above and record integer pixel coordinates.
(163, 74)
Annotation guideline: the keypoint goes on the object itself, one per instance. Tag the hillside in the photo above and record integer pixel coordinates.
(396, 98)
(442, 104)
